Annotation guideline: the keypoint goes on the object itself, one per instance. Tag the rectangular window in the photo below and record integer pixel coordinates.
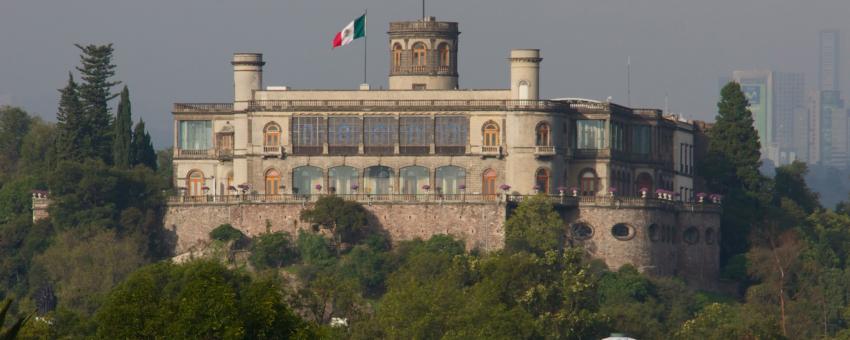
(590, 134)
(419, 87)
(641, 140)
(308, 135)
(451, 135)
(195, 135)
(617, 134)
(343, 135)
(379, 135)
(415, 135)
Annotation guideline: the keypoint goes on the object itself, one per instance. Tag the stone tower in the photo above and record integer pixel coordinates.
(525, 74)
(423, 55)
(247, 77)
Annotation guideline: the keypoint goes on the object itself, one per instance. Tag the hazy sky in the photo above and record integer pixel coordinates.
(179, 50)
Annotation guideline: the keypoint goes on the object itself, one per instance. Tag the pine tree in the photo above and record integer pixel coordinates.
(95, 94)
(731, 168)
(141, 148)
(123, 133)
(70, 143)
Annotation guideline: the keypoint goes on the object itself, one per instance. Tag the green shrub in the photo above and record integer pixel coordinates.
(273, 250)
(226, 232)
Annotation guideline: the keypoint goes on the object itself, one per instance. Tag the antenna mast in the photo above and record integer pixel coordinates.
(629, 81)
(423, 9)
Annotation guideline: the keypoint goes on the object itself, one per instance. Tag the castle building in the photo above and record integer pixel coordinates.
(425, 139)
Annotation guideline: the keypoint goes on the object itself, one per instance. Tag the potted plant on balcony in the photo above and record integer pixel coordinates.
(701, 197)
(562, 190)
(354, 187)
(574, 190)
(715, 198)
(536, 189)
(318, 188)
(643, 191)
(612, 191)
(427, 188)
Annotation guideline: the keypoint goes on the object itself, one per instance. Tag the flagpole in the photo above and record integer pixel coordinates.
(365, 45)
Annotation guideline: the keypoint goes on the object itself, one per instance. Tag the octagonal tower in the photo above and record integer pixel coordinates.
(423, 55)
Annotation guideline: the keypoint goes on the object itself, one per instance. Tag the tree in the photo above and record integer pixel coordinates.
(122, 132)
(345, 219)
(95, 93)
(273, 250)
(14, 125)
(141, 148)
(790, 183)
(71, 144)
(534, 227)
(731, 168)
(12, 332)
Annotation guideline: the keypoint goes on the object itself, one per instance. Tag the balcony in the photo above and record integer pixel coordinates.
(592, 153)
(494, 151)
(544, 151)
(196, 154)
(225, 154)
(272, 151)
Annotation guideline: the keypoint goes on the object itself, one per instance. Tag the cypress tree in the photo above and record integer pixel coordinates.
(95, 94)
(123, 133)
(69, 142)
(141, 149)
(731, 167)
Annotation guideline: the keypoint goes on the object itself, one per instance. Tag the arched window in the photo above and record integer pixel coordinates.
(413, 178)
(543, 138)
(654, 233)
(450, 179)
(271, 135)
(491, 134)
(306, 180)
(709, 236)
(419, 54)
(644, 181)
(342, 180)
(272, 182)
(589, 183)
(488, 182)
(581, 231)
(397, 56)
(523, 90)
(195, 183)
(691, 235)
(445, 54)
(541, 180)
(378, 180)
(228, 184)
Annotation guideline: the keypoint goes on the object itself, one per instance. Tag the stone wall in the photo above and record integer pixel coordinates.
(655, 245)
(478, 224)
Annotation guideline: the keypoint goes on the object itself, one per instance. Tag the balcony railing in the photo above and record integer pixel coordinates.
(406, 105)
(419, 26)
(203, 107)
(272, 150)
(196, 154)
(491, 150)
(544, 150)
(225, 154)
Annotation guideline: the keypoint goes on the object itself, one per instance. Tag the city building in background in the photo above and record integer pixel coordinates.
(833, 144)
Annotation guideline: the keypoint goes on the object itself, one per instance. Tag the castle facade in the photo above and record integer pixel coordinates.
(622, 178)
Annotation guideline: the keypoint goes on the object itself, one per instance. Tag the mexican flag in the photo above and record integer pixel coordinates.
(355, 29)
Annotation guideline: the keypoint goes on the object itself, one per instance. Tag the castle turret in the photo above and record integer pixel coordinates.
(525, 74)
(423, 55)
(247, 77)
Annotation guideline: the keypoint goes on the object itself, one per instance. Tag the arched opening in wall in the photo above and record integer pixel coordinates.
(450, 179)
(414, 179)
(195, 183)
(691, 235)
(589, 182)
(654, 233)
(445, 55)
(420, 56)
(306, 180)
(229, 188)
(490, 132)
(709, 236)
(488, 183)
(644, 182)
(397, 57)
(543, 137)
(343, 180)
(378, 180)
(523, 90)
(271, 136)
(541, 180)
(581, 231)
(272, 182)
(623, 231)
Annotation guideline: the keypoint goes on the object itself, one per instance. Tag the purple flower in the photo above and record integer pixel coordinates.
(505, 187)
(205, 188)
(461, 186)
(231, 188)
(426, 187)
(701, 194)
(612, 189)
(355, 186)
(562, 189)
(644, 189)
(318, 187)
(573, 189)
(536, 187)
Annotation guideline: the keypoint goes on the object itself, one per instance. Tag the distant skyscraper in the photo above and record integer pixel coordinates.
(788, 104)
(757, 85)
(828, 73)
